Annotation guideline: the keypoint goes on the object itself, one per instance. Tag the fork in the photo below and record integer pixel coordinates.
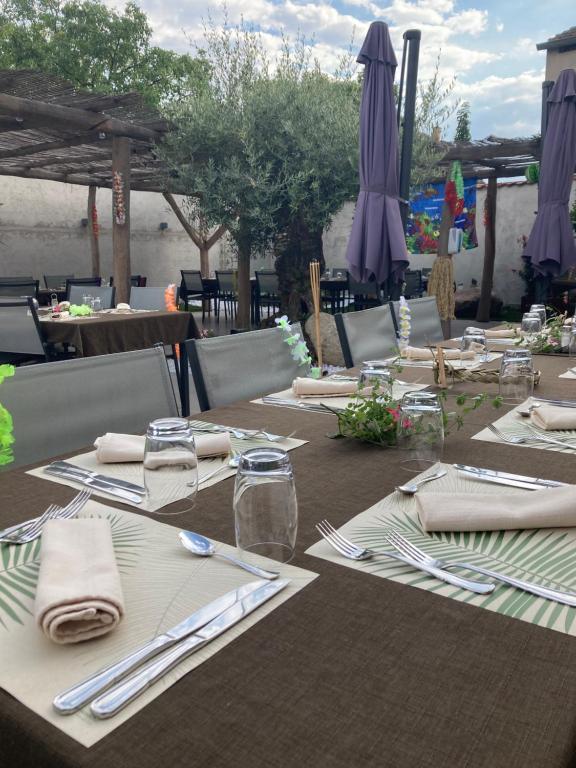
(406, 548)
(232, 463)
(53, 512)
(536, 437)
(346, 548)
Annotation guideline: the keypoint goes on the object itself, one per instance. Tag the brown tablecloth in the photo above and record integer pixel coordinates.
(354, 671)
(107, 333)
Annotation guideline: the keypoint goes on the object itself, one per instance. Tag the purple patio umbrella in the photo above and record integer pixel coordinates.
(550, 246)
(377, 245)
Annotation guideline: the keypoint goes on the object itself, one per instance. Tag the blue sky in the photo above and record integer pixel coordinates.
(489, 45)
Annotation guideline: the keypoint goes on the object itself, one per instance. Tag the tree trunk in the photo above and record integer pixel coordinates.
(93, 233)
(483, 314)
(121, 230)
(204, 260)
(244, 289)
(295, 248)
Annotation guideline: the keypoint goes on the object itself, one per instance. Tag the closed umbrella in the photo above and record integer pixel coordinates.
(377, 245)
(551, 247)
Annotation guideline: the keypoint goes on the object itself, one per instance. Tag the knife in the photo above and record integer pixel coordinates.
(504, 481)
(73, 699)
(562, 403)
(492, 473)
(105, 478)
(100, 485)
(122, 694)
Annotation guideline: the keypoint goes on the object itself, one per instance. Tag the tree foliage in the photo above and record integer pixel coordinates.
(93, 46)
(463, 131)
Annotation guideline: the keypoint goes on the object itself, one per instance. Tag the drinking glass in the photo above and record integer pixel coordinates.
(96, 304)
(541, 310)
(420, 430)
(516, 379)
(473, 339)
(170, 465)
(565, 335)
(531, 324)
(265, 505)
(380, 377)
(87, 299)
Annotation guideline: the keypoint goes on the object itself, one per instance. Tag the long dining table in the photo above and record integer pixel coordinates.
(353, 670)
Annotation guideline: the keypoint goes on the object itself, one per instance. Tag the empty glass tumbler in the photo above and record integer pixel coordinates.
(531, 323)
(170, 466)
(516, 378)
(474, 339)
(420, 430)
(541, 310)
(265, 505)
(379, 377)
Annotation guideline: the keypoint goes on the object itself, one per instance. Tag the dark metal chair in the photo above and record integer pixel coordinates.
(413, 284)
(194, 286)
(135, 281)
(365, 295)
(55, 282)
(81, 281)
(227, 287)
(19, 289)
(267, 291)
(21, 339)
(17, 279)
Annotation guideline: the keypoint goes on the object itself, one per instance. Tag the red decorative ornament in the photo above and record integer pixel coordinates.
(486, 215)
(95, 225)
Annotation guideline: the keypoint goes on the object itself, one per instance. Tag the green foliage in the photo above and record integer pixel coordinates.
(532, 173)
(6, 423)
(463, 132)
(95, 47)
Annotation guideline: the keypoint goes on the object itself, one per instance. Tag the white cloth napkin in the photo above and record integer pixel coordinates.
(79, 594)
(553, 417)
(318, 387)
(418, 353)
(114, 448)
(548, 508)
(501, 333)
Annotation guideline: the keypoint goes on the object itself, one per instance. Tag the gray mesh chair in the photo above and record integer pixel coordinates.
(425, 321)
(149, 298)
(20, 333)
(366, 335)
(56, 281)
(64, 406)
(91, 281)
(241, 366)
(107, 295)
(18, 289)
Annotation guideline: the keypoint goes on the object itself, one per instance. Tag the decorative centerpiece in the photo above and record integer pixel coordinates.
(548, 340)
(6, 424)
(79, 310)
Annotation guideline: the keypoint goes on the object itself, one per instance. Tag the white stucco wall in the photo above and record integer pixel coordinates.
(41, 233)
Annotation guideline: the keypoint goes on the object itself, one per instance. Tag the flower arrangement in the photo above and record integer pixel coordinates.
(298, 346)
(405, 325)
(548, 340)
(79, 310)
(6, 424)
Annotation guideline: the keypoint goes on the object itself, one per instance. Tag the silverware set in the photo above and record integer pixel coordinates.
(412, 555)
(533, 437)
(32, 529)
(111, 485)
(239, 434)
(298, 405)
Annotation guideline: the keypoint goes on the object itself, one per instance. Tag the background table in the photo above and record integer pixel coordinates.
(354, 671)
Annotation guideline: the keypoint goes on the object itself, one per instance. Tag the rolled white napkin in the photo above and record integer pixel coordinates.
(548, 508)
(318, 387)
(418, 353)
(79, 594)
(114, 448)
(553, 417)
(501, 333)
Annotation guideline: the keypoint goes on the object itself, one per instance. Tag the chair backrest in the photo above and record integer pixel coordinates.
(191, 281)
(56, 281)
(20, 333)
(81, 281)
(413, 283)
(267, 282)
(65, 405)
(18, 290)
(226, 280)
(426, 327)
(107, 295)
(148, 298)
(366, 335)
(134, 280)
(18, 279)
(363, 289)
(241, 366)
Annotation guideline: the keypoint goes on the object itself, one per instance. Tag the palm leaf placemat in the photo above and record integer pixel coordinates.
(162, 583)
(543, 556)
(514, 425)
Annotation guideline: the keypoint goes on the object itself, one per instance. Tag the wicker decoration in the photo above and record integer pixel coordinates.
(441, 285)
(481, 376)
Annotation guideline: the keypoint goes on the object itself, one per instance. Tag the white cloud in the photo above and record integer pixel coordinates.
(499, 27)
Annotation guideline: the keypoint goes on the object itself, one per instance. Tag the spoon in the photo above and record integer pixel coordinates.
(232, 463)
(410, 488)
(200, 545)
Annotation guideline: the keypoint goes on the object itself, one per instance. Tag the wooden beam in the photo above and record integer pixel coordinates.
(48, 146)
(483, 313)
(56, 116)
(480, 152)
(121, 229)
(94, 244)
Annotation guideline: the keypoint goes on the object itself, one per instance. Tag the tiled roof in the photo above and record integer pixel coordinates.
(568, 38)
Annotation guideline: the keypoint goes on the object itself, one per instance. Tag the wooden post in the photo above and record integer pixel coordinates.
(121, 217)
(93, 233)
(483, 314)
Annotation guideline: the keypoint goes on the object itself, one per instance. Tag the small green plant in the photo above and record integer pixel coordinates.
(6, 425)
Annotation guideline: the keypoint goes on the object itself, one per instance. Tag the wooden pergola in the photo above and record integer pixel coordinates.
(492, 159)
(50, 130)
